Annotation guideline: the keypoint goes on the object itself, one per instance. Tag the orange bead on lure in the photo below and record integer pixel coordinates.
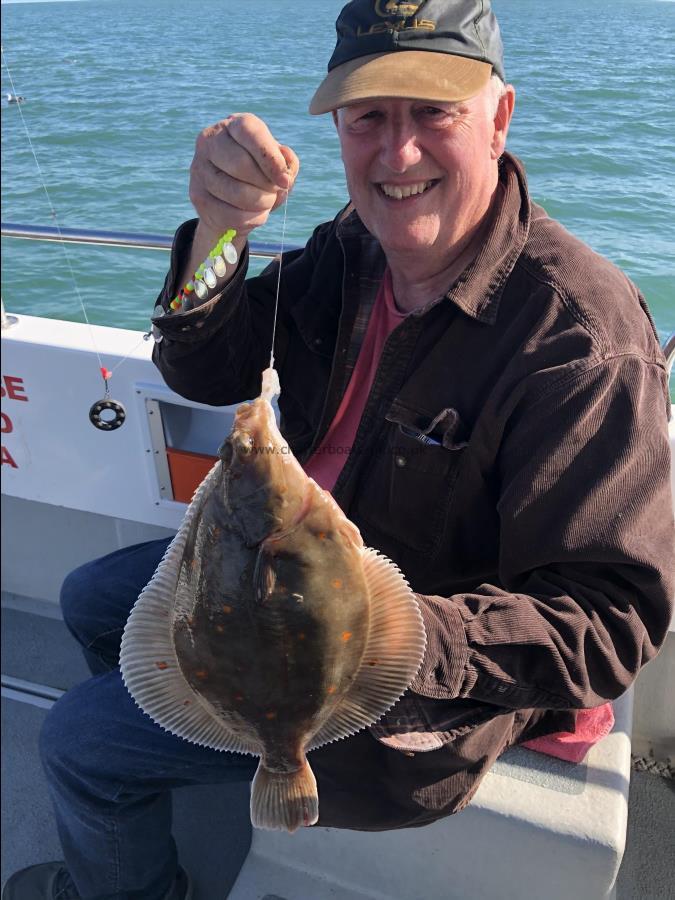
(268, 612)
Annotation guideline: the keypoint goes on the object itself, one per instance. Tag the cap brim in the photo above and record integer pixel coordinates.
(405, 74)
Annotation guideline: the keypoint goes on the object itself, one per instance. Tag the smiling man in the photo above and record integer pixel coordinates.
(484, 396)
(423, 178)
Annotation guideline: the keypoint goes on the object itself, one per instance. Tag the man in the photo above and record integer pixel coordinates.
(485, 397)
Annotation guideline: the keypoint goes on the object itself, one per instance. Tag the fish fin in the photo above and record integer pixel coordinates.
(284, 801)
(148, 661)
(264, 575)
(392, 657)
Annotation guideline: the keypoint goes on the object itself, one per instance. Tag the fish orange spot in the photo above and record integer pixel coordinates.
(226, 609)
(238, 697)
(201, 673)
(346, 635)
(186, 702)
(220, 629)
(190, 621)
(322, 535)
(301, 635)
(337, 582)
(162, 665)
(331, 689)
(373, 662)
(272, 714)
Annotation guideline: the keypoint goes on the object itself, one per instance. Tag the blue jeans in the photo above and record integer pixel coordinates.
(109, 767)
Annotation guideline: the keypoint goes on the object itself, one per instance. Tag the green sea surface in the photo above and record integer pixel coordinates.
(117, 90)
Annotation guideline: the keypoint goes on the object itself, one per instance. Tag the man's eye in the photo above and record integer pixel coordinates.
(369, 116)
(435, 112)
(365, 119)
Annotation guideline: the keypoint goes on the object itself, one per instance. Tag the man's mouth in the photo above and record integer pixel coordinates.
(403, 191)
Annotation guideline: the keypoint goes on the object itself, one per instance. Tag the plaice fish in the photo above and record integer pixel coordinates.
(268, 628)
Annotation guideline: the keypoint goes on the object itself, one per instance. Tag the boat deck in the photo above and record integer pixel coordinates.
(37, 649)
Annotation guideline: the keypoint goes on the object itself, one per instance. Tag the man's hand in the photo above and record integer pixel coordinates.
(239, 174)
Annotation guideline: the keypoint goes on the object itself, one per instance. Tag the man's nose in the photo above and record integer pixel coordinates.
(400, 150)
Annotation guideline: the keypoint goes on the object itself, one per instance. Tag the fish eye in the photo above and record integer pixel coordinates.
(245, 444)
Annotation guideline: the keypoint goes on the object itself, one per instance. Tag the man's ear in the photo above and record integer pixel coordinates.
(502, 121)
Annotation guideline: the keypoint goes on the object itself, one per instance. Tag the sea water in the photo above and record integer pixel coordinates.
(117, 90)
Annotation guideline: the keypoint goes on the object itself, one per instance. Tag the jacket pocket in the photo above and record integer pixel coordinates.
(407, 488)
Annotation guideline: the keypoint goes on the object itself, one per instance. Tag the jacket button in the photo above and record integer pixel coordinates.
(401, 461)
(317, 342)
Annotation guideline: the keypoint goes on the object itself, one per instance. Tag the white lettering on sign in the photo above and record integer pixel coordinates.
(12, 388)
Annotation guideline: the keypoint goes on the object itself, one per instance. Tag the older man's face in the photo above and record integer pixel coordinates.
(420, 174)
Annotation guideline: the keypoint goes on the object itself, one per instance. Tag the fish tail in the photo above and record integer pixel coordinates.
(284, 800)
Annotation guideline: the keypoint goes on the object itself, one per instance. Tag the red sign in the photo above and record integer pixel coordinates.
(12, 388)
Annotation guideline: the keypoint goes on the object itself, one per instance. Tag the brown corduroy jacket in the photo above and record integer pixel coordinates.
(512, 458)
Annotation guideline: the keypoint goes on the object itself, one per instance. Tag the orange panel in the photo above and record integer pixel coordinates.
(187, 471)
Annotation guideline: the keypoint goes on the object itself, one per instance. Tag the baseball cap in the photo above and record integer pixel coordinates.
(428, 50)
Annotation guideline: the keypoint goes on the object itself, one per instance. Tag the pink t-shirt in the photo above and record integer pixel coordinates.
(326, 463)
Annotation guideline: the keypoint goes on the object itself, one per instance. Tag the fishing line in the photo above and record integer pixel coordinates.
(107, 405)
(276, 299)
(53, 214)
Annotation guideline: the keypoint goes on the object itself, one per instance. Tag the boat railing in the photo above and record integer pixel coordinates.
(134, 240)
(149, 241)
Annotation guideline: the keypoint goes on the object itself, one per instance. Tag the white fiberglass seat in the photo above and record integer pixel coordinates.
(537, 827)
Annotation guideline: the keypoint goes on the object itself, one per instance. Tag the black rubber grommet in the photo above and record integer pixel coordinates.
(107, 424)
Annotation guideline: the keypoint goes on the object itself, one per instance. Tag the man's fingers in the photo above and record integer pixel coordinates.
(222, 151)
(292, 162)
(237, 193)
(240, 173)
(292, 167)
(254, 136)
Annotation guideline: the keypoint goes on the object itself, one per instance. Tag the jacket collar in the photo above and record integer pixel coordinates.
(477, 291)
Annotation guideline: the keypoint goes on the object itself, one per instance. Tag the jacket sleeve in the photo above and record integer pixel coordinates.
(216, 352)
(585, 599)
